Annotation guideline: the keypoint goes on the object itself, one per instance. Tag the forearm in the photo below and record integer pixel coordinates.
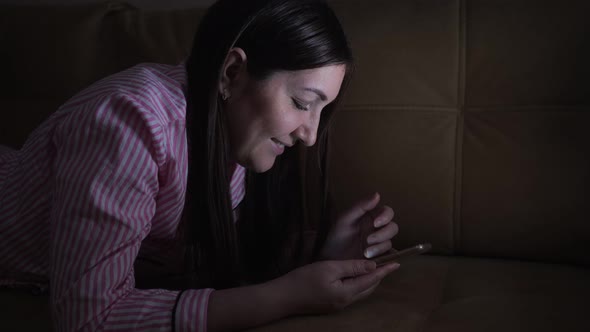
(249, 306)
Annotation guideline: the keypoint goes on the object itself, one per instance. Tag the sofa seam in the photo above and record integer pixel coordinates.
(461, 92)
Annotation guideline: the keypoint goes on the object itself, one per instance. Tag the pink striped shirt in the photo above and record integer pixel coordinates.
(97, 189)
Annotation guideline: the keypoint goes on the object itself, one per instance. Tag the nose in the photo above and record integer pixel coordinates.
(307, 132)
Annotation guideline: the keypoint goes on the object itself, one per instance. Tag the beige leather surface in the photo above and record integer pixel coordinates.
(436, 294)
(406, 51)
(526, 162)
(471, 117)
(52, 52)
(526, 52)
(408, 155)
(526, 184)
(468, 116)
(427, 294)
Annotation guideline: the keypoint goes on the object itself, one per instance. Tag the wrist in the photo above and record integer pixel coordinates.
(283, 295)
(249, 306)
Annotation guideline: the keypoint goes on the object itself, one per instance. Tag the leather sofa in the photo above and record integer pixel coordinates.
(470, 117)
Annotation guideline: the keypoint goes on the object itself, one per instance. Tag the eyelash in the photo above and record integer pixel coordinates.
(299, 106)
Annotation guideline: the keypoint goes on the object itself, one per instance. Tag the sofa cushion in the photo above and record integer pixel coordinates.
(471, 118)
(20, 116)
(451, 103)
(55, 51)
(428, 294)
(440, 294)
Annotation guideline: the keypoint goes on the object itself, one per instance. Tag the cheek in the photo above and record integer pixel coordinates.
(280, 124)
(274, 117)
(260, 115)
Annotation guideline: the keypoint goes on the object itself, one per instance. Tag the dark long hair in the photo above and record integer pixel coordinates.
(276, 35)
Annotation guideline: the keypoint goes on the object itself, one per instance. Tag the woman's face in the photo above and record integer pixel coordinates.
(265, 117)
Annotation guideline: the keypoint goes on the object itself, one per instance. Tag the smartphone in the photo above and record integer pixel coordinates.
(396, 255)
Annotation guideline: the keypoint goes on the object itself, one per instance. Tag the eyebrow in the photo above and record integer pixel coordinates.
(321, 94)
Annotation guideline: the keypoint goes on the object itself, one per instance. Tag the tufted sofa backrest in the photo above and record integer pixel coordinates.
(470, 117)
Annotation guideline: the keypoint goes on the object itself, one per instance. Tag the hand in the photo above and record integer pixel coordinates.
(364, 230)
(327, 286)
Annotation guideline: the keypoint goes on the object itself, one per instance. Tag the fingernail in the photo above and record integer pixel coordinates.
(394, 266)
(369, 253)
(377, 223)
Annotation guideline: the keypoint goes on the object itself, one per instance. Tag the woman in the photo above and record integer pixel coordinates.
(163, 197)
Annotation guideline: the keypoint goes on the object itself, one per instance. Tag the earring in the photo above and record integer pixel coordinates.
(225, 95)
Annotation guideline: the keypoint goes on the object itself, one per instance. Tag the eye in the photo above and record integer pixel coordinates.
(299, 105)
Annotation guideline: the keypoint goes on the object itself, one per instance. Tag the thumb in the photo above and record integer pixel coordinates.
(355, 268)
(362, 282)
(360, 208)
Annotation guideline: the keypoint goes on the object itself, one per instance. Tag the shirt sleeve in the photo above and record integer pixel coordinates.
(106, 183)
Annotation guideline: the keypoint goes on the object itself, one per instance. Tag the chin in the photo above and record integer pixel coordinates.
(257, 162)
(260, 166)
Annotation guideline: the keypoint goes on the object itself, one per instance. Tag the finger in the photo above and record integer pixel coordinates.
(354, 268)
(362, 283)
(378, 249)
(385, 233)
(361, 207)
(392, 267)
(383, 216)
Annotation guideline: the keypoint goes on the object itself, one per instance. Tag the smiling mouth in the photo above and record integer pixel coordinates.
(278, 146)
(279, 143)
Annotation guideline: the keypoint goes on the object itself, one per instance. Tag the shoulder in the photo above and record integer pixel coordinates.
(162, 85)
(156, 90)
(144, 104)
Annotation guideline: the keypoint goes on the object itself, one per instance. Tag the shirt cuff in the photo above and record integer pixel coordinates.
(191, 310)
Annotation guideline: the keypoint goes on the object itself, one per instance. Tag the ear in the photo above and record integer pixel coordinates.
(233, 70)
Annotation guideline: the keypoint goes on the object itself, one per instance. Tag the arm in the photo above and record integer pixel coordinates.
(104, 199)
(248, 306)
(316, 288)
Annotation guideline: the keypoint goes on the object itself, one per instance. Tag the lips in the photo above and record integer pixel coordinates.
(278, 146)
